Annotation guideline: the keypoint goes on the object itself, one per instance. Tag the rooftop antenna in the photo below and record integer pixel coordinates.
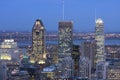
(62, 9)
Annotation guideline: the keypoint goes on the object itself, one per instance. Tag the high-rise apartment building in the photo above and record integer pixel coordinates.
(65, 40)
(38, 43)
(99, 38)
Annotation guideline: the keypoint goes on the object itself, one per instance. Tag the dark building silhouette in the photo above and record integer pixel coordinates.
(76, 56)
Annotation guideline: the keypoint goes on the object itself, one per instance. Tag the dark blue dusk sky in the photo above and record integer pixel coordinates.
(20, 15)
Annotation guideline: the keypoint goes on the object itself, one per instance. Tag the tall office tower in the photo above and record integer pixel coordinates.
(38, 43)
(76, 56)
(99, 38)
(88, 50)
(65, 41)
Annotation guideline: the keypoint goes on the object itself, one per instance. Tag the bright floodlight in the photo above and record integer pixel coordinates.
(99, 21)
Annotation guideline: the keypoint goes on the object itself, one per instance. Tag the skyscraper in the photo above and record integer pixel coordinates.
(76, 56)
(38, 42)
(88, 50)
(65, 40)
(99, 38)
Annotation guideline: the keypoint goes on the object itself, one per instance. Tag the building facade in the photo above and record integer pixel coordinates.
(84, 69)
(65, 40)
(99, 38)
(113, 70)
(76, 56)
(9, 50)
(38, 43)
(67, 67)
(101, 70)
(108, 70)
(88, 50)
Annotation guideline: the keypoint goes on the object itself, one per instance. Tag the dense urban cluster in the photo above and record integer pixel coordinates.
(57, 56)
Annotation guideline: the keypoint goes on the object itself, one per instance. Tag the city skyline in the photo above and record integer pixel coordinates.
(47, 40)
(19, 15)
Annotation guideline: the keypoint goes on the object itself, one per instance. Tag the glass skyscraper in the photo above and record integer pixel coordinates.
(99, 38)
(38, 42)
(65, 40)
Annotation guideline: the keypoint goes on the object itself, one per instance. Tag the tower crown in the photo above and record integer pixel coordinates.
(38, 24)
(99, 21)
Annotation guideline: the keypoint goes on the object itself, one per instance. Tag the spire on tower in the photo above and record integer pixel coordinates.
(63, 9)
(95, 14)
